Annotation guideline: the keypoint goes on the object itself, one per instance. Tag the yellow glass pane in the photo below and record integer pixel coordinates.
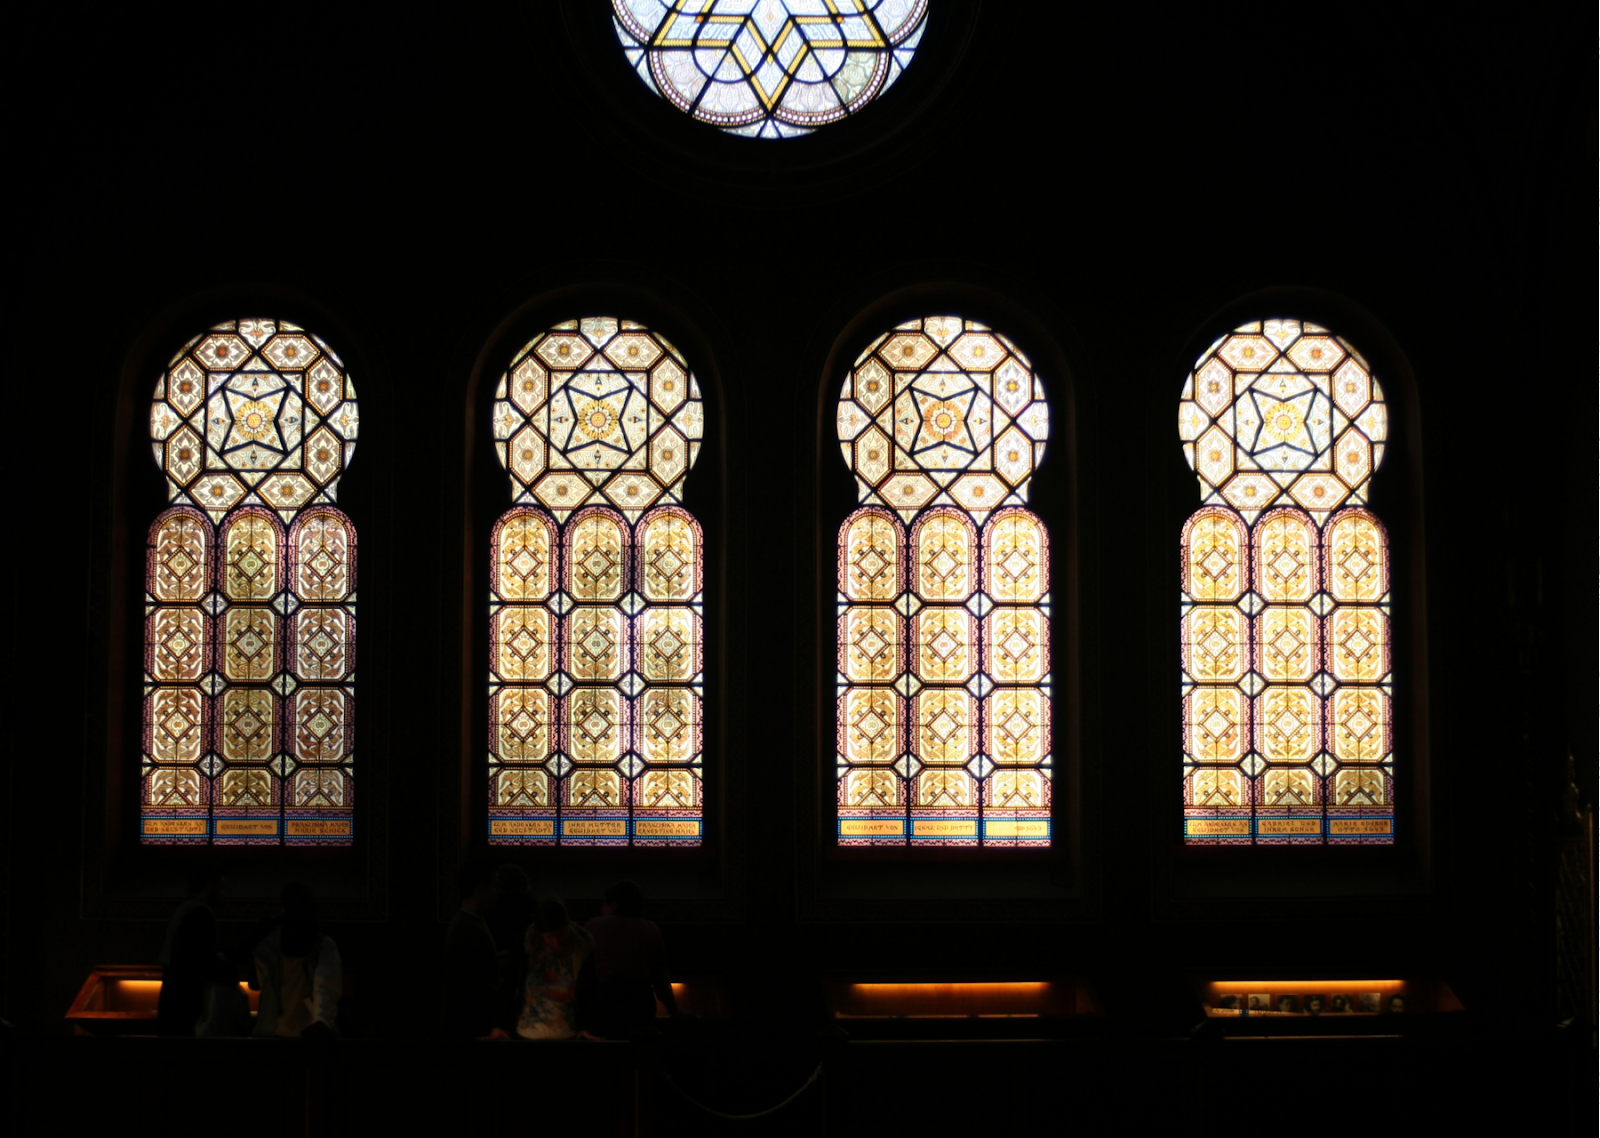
(523, 555)
(873, 787)
(250, 544)
(521, 725)
(1214, 644)
(1288, 724)
(669, 644)
(1214, 555)
(871, 725)
(1215, 787)
(248, 719)
(1358, 556)
(1018, 568)
(1019, 790)
(594, 788)
(869, 644)
(945, 731)
(320, 718)
(1286, 556)
(522, 788)
(944, 546)
(1018, 645)
(249, 645)
(596, 551)
(180, 548)
(946, 645)
(319, 788)
(1360, 787)
(1215, 724)
(322, 557)
(1289, 788)
(174, 788)
(322, 642)
(945, 788)
(669, 725)
(595, 725)
(176, 716)
(669, 557)
(869, 567)
(521, 639)
(1019, 725)
(669, 790)
(245, 788)
(1288, 640)
(1360, 719)
(177, 638)
(1358, 641)
(596, 643)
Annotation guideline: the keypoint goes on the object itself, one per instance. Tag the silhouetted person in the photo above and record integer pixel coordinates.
(189, 956)
(298, 971)
(509, 921)
(471, 972)
(557, 994)
(630, 964)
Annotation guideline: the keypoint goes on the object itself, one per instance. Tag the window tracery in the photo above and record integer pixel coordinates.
(769, 68)
(596, 686)
(1287, 683)
(249, 704)
(944, 679)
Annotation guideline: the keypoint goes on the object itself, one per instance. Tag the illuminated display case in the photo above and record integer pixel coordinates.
(121, 999)
(1304, 1004)
(901, 1008)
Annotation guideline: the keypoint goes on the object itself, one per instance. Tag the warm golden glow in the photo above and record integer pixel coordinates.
(880, 990)
(1302, 987)
(934, 1001)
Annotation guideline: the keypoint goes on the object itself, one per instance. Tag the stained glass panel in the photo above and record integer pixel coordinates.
(596, 686)
(1287, 682)
(943, 594)
(769, 68)
(250, 580)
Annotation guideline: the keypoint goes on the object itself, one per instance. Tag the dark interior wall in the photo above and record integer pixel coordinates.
(1110, 189)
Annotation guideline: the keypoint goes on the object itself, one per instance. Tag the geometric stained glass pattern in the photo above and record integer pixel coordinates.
(596, 673)
(944, 678)
(1284, 622)
(249, 688)
(769, 68)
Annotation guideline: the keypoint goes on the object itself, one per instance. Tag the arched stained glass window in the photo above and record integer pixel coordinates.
(1287, 687)
(769, 68)
(943, 603)
(596, 594)
(249, 678)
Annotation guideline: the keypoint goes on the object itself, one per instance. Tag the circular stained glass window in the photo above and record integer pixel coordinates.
(769, 68)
